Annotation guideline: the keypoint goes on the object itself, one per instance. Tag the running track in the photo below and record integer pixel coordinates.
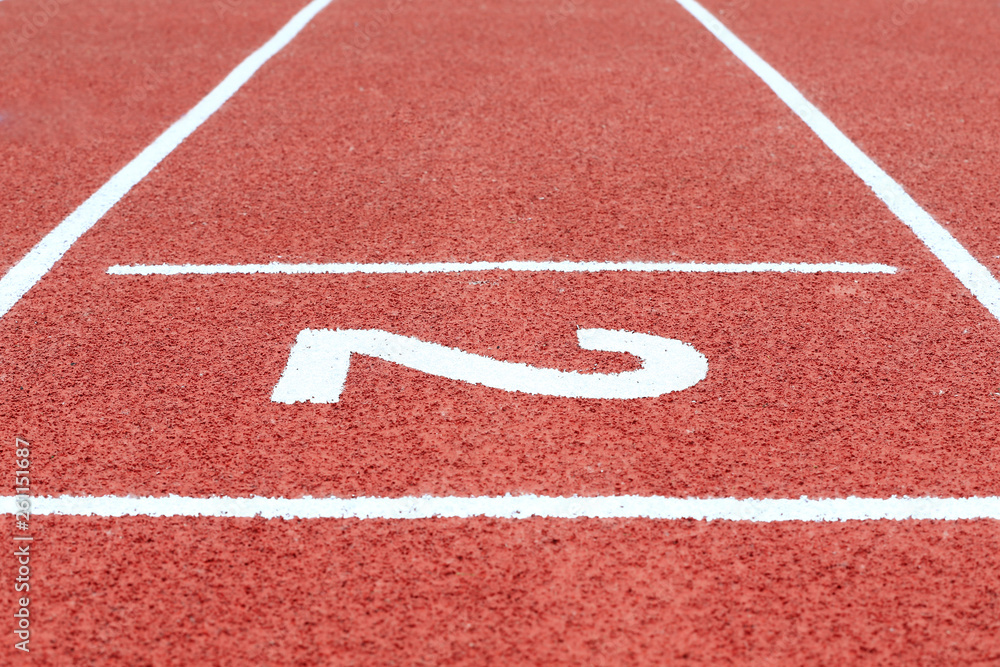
(181, 516)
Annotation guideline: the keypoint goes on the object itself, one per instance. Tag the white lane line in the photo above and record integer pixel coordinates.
(959, 261)
(33, 266)
(455, 267)
(526, 506)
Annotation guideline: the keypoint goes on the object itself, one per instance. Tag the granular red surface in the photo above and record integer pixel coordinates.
(913, 83)
(532, 131)
(141, 591)
(85, 85)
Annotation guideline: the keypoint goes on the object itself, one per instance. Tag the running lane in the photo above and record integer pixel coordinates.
(85, 85)
(447, 132)
(914, 83)
(491, 134)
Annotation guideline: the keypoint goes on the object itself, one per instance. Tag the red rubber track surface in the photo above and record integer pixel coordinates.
(491, 132)
(86, 85)
(914, 83)
(254, 592)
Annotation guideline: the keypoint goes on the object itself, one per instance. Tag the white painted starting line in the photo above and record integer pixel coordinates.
(457, 267)
(764, 510)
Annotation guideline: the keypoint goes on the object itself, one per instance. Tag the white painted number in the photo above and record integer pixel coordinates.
(317, 366)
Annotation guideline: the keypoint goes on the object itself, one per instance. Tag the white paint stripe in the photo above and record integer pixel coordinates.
(959, 261)
(33, 266)
(454, 267)
(523, 507)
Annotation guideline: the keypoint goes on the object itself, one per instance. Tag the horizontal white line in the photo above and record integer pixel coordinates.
(452, 267)
(525, 506)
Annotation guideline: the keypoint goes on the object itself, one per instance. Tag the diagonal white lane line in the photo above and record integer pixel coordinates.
(456, 267)
(763, 510)
(945, 247)
(26, 273)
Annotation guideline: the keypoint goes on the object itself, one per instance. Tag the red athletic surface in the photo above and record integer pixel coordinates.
(87, 84)
(534, 592)
(914, 83)
(493, 132)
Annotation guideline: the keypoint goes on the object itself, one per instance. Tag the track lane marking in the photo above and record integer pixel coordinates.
(33, 266)
(761, 510)
(459, 267)
(976, 277)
